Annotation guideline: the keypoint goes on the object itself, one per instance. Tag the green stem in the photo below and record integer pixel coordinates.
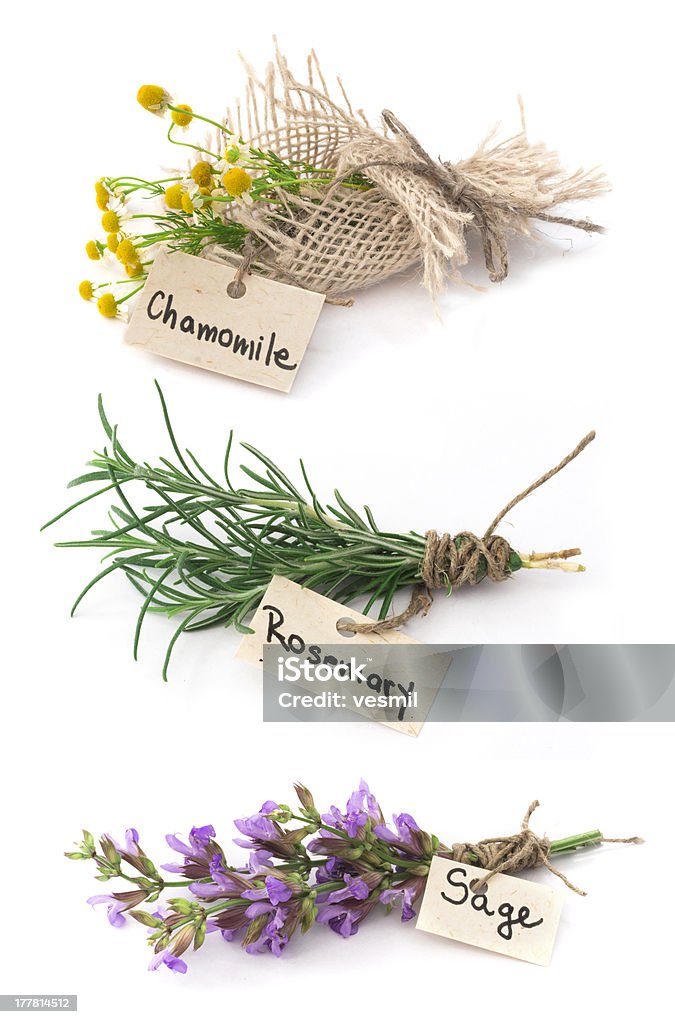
(190, 145)
(571, 843)
(200, 117)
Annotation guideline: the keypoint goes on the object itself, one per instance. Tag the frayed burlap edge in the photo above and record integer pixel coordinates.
(419, 211)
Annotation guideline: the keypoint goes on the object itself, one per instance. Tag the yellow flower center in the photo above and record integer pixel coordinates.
(107, 305)
(92, 251)
(133, 269)
(182, 119)
(237, 181)
(186, 203)
(127, 252)
(201, 173)
(113, 242)
(172, 197)
(152, 98)
(102, 195)
(110, 221)
(86, 290)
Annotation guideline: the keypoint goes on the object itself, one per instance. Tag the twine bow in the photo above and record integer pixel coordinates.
(488, 214)
(516, 853)
(465, 558)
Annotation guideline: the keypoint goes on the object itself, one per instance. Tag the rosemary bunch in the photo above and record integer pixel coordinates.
(205, 550)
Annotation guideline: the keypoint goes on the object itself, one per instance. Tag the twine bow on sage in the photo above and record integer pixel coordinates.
(450, 562)
(524, 849)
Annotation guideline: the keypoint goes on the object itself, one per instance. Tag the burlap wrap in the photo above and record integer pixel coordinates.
(420, 210)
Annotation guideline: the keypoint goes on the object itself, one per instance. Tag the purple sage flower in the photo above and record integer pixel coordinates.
(275, 891)
(258, 827)
(344, 919)
(275, 934)
(226, 883)
(361, 806)
(130, 842)
(390, 897)
(174, 963)
(259, 861)
(199, 850)
(355, 888)
(408, 836)
(115, 908)
(198, 840)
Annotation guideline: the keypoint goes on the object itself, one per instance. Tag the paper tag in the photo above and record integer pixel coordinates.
(184, 312)
(513, 916)
(304, 614)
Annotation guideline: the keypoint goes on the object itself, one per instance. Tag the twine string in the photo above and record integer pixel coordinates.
(460, 193)
(518, 852)
(463, 559)
(236, 289)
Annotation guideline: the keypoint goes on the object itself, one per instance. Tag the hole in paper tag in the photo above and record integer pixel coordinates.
(236, 289)
(509, 915)
(342, 625)
(194, 311)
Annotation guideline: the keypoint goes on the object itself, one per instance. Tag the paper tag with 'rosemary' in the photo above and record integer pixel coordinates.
(185, 312)
(511, 916)
(303, 617)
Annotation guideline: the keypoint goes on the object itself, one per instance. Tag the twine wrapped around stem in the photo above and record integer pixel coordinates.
(454, 561)
(518, 852)
(412, 209)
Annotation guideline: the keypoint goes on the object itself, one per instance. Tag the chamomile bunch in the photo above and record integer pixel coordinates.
(190, 209)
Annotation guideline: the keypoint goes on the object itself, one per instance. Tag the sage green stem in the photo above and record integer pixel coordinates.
(570, 843)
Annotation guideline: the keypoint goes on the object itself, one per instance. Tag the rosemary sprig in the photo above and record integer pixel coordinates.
(205, 551)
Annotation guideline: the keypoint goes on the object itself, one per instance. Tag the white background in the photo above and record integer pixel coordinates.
(435, 417)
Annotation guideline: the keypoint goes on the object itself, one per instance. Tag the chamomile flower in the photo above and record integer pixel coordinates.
(202, 173)
(108, 198)
(107, 305)
(153, 98)
(182, 116)
(173, 196)
(194, 196)
(113, 242)
(93, 250)
(86, 290)
(238, 153)
(110, 222)
(237, 183)
(133, 269)
(103, 194)
(127, 253)
(115, 217)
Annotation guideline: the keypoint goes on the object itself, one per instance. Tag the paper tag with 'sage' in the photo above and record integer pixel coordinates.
(301, 616)
(512, 916)
(184, 312)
